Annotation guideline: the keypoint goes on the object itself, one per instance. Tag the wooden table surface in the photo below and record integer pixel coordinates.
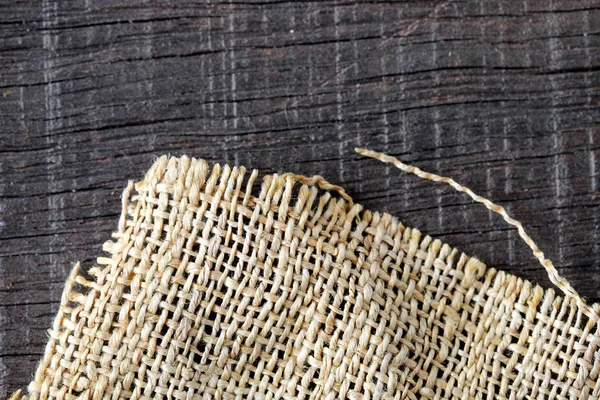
(503, 96)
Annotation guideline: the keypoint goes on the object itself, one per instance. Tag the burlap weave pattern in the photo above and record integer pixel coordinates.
(211, 291)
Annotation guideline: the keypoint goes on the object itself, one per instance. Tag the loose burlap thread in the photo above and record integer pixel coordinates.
(211, 291)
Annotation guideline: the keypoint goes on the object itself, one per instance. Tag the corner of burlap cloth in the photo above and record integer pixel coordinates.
(210, 290)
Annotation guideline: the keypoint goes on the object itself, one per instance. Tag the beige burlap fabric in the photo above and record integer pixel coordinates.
(212, 291)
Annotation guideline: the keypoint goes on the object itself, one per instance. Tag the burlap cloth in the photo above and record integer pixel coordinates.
(212, 291)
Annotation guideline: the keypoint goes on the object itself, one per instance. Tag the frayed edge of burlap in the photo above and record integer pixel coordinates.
(328, 203)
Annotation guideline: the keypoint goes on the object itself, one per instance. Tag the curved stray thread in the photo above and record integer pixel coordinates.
(322, 183)
(556, 279)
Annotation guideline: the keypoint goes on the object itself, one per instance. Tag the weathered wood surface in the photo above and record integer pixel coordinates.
(503, 96)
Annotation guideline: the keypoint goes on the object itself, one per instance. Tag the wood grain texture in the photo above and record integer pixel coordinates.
(503, 96)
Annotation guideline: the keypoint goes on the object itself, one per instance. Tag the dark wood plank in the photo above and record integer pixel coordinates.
(503, 96)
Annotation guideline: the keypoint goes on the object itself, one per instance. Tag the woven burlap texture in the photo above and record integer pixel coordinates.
(294, 292)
